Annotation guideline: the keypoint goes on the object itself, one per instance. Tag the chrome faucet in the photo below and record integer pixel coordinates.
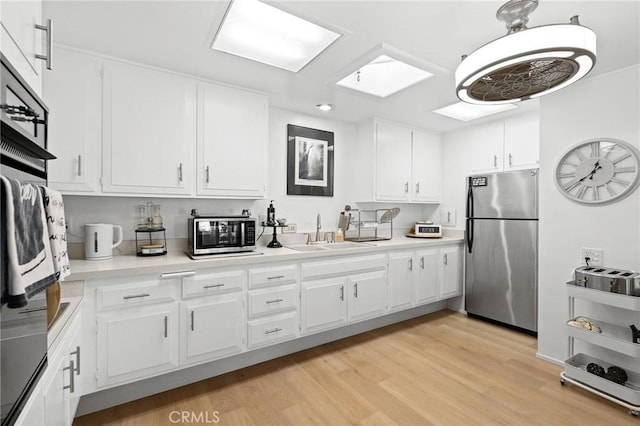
(318, 226)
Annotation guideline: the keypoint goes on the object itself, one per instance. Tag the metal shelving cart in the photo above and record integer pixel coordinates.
(613, 337)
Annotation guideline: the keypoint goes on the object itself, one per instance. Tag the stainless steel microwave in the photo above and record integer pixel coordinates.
(221, 234)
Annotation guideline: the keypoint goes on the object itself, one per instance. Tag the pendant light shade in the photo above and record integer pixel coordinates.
(526, 63)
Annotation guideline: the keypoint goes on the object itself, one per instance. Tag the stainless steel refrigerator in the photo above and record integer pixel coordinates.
(501, 263)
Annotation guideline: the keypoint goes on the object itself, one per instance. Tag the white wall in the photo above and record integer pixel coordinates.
(301, 210)
(603, 106)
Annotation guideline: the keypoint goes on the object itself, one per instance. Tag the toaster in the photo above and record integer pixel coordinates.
(608, 279)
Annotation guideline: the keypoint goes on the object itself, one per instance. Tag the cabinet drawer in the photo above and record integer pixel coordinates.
(273, 276)
(272, 329)
(215, 283)
(143, 293)
(272, 300)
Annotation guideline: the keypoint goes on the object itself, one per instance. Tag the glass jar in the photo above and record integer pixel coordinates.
(156, 219)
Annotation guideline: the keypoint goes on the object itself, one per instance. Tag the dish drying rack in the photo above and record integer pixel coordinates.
(368, 225)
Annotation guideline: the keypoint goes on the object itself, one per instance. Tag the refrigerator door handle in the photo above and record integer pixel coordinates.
(470, 235)
(470, 199)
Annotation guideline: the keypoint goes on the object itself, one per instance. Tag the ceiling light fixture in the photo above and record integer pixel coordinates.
(255, 30)
(527, 62)
(466, 112)
(325, 107)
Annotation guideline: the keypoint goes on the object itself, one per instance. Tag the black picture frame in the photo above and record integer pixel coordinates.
(310, 155)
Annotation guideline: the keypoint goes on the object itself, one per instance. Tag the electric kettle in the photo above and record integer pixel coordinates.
(99, 240)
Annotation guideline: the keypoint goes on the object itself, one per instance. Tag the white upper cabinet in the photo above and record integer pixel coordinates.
(522, 142)
(511, 144)
(426, 167)
(73, 90)
(22, 41)
(232, 142)
(407, 164)
(393, 162)
(149, 131)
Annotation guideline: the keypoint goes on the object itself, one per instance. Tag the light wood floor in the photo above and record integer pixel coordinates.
(440, 369)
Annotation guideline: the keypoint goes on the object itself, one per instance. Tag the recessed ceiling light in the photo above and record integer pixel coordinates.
(465, 112)
(325, 107)
(260, 32)
(384, 76)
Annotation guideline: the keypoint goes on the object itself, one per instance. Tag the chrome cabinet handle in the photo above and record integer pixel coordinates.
(180, 173)
(77, 354)
(213, 285)
(411, 264)
(510, 159)
(406, 187)
(72, 383)
(355, 290)
(206, 171)
(49, 30)
(417, 187)
(136, 296)
(177, 274)
(274, 301)
(275, 277)
(166, 326)
(422, 262)
(79, 165)
(448, 217)
(192, 321)
(495, 161)
(273, 330)
(445, 259)
(341, 292)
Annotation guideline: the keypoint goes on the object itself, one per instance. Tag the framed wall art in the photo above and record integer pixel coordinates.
(309, 161)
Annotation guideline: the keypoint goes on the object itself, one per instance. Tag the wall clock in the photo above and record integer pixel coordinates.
(598, 171)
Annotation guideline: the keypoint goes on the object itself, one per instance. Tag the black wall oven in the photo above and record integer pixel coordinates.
(23, 156)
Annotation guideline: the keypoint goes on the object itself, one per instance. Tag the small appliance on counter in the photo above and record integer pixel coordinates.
(611, 280)
(426, 229)
(99, 240)
(211, 234)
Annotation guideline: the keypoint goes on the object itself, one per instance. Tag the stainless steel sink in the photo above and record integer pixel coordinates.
(328, 246)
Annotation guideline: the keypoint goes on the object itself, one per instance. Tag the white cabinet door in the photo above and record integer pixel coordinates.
(149, 131)
(232, 142)
(393, 162)
(74, 355)
(426, 167)
(56, 395)
(33, 412)
(522, 142)
(426, 283)
(212, 327)
(367, 295)
(323, 304)
(450, 259)
(487, 144)
(400, 286)
(21, 41)
(137, 342)
(73, 90)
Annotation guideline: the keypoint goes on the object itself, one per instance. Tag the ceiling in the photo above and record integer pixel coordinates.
(176, 35)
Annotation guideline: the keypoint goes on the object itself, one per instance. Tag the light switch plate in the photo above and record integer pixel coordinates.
(448, 217)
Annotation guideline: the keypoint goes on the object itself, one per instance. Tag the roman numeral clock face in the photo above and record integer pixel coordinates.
(598, 171)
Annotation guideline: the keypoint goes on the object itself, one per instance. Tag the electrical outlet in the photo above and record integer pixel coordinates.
(448, 217)
(262, 218)
(595, 256)
(291, 228)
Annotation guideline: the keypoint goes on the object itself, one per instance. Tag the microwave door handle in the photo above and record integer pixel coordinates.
(242, 234)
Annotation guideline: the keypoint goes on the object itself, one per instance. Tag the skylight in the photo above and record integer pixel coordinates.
(384, 76)
(466, 112)
(260, 32)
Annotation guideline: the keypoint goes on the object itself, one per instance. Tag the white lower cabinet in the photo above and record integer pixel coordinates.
(426, 283)
(450, 283)
(32, 413)
(342, 290)
(212, 327)
(61, 383)
(137, 342)
(401, 280)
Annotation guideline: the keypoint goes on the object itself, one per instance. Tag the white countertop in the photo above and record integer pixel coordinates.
(133, 265)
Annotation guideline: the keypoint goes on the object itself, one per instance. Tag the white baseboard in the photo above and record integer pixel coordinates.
(549, 359)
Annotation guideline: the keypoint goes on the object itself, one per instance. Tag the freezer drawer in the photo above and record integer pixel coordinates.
(501, 280)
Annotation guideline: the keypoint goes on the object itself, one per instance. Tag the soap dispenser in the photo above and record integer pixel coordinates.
(271, 214)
